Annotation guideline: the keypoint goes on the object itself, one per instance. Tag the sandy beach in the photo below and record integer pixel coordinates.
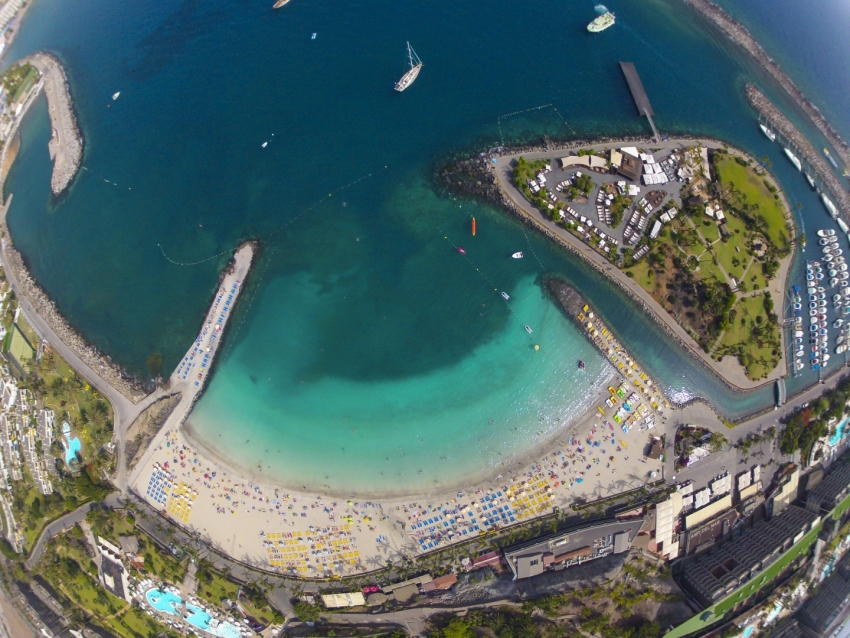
(312, 535)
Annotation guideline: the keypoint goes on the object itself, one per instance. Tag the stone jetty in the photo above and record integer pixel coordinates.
(740, 35)
(786, 128)
(66, 143)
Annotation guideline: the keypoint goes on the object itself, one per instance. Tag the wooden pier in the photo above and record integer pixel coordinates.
(639, 94)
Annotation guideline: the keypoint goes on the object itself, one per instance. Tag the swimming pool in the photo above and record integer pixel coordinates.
(71, 450)
(839, 432)
(167, 602)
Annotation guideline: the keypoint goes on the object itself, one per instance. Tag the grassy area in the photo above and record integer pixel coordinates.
(68, 568)
(751, 190)
(733, 253)
(17, 80)
(754, 342)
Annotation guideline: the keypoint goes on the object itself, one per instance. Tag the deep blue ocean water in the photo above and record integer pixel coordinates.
(367, 353)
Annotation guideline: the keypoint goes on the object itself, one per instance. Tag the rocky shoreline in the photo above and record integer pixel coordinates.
(110, 372)
(786, 128)
(66, 144)
(473, 176)
(740, 35)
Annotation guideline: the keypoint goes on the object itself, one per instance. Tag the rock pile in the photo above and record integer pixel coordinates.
(742, 36)
(787, 129)
(46, 309)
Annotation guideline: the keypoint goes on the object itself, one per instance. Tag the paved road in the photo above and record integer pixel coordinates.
(504, 175)
(70, 519)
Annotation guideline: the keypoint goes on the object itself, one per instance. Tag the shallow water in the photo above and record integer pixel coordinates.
(364, 335)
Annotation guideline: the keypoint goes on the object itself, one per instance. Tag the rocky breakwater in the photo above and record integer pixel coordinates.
(102, 365)
(66, 144)
(787, 129)
(739, 34)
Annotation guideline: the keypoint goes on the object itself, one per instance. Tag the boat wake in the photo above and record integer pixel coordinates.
(600, 9)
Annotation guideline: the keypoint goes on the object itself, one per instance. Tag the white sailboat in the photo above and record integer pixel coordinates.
(414, 66)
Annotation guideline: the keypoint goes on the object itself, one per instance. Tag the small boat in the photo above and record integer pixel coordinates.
(115, 95)
(833, 282)
(517, 256)
(810, 180)
(473, 227)
(829, 157)
(824, 241)
(768, 133)
(461, 250)
(279, 4)
(265, 144)
(506, 296)
(414, 66)
(580, 364)
(794, 159)
(830, 232)
(528, 329)
(822, 233)
(313, 37)
(841, 349)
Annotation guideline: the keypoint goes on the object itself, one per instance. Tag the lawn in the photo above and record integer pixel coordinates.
(755, 193)
(216, 588)
(734, 250)
(708, 228)
(754, 277)
(761, 360)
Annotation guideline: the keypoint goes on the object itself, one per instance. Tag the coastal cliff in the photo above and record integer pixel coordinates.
(740, 35)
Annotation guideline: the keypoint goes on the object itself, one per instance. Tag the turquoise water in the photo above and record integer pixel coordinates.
(839, 432)
(363, 335)
(72, 446)
(167, 602)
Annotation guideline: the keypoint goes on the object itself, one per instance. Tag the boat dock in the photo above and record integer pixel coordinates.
(598, 333)
(639, 94)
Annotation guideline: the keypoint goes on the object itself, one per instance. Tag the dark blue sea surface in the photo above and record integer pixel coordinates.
(365, 347)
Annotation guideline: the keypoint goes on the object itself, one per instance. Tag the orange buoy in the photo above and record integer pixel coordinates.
(473, 226)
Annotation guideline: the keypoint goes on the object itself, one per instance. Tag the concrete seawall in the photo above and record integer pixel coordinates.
(66, 144)
(741, 36)
(787, 129)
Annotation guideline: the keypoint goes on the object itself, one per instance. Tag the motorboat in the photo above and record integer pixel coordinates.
(843, 284)
(798, 306)
(581, 365)
(823, 241)
(837, 297)
(832, 272)
(839, 260)
(838, 252)
(506, 296)
(833, 239)
(528, 329)
(813, 298)
(822, 232)
(813, 305)
(838, 323)
(830, 232)
(819, 276)
(517, 256)
(841, 349)
(827, 258)
(833, 282)
(822, 295)
(461, 250)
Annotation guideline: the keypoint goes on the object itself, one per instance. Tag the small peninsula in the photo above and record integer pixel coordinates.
(697, 233)
(22, 84)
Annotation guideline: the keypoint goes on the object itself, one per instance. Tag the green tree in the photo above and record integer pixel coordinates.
(458, 628)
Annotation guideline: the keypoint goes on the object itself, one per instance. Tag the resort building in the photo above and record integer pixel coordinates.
(113, 575)
(783, 491)
(821, 611)
(592, 162)
(8, 11)
(46, 431)
(572, 547)
(831, 490)
(711, 576)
